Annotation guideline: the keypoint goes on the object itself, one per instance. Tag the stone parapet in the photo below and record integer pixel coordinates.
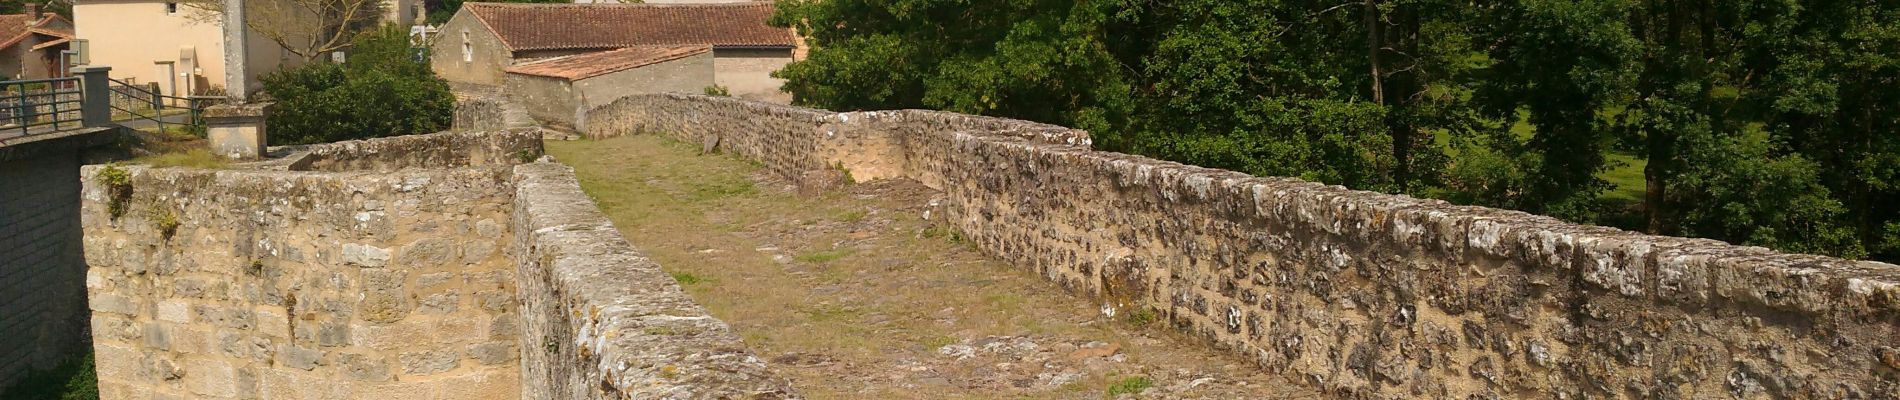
(338, 284)
(1365, 295)
(604, 320)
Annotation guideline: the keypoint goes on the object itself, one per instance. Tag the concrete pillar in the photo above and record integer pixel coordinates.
(236, 47)
(95, 94)
(237, 131)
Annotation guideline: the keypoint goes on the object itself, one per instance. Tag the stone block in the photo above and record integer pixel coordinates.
(394, 336)
(118, 362)
(439, 303)
(177, 311)
(493, 353)
(207, 378)
(363, 367)
(237, 131)
(427, 252)
(384, 306)
(299, 358)
(363, 255)
(113, 303)
(272, 321)
(430, 362)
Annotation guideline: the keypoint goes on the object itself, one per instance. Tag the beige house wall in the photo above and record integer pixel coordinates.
(137, 38)
(484, 59)
(747, 73)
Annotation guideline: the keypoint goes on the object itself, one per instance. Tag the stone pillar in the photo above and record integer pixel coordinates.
(237, 131)
(95, 94)
(236, 48)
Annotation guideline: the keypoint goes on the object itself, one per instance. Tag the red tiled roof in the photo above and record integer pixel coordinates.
(611, 26)
(16, 27)
(590, 65)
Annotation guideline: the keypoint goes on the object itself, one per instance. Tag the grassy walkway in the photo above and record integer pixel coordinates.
(852, 295)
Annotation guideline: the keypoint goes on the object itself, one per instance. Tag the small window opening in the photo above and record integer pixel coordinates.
(171, 7)
(468, 49)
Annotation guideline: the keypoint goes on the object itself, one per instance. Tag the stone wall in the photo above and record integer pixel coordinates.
(427, 266)
(42, 267)
(1365, 295)
(312, 285)
(603, 321)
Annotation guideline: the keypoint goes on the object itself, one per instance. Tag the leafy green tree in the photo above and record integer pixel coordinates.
(1763, 122)
(382, 90)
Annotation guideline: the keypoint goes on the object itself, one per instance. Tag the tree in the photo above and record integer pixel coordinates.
(383, 90)
(309, 29)
(1762, 122)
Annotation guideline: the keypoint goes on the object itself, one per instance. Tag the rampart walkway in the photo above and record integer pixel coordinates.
(851, 294)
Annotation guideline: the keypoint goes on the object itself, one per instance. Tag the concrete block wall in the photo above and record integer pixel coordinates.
(602, 321)
(42, 269)
(1362, 294)
(309, 285)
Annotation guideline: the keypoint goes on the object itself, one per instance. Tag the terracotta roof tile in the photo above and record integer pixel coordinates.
(611, 26)
(589, 65)
(15, 27)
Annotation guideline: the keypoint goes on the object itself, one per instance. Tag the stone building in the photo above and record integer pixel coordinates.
(31, 42)
(558, 90)
(483, 40)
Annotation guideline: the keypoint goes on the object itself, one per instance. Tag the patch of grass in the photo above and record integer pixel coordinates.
(687, 278)
(1141, 317)
(193, 158)
(1130, 385)
(826, 256)
(118, 183)
(73, 380)
(164, 220)
(716, 189)
(1626, 177)
(828, 312)
(935, 342)
(851, 216)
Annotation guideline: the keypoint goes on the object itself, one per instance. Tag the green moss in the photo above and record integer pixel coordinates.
(685, 278)
(822, 257)
(1141, 317)
(164, 220)
(118, 189)
(1130, 385)
(193, 158)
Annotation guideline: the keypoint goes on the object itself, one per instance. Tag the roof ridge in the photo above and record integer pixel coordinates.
(627, 5)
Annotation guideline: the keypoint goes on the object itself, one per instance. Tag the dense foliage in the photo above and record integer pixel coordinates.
(383, 89)
(1769, 122)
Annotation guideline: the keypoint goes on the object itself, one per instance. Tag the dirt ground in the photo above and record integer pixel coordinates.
(852, 295)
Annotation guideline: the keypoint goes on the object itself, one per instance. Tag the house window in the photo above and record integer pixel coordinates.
(468, 49)
(171, 7)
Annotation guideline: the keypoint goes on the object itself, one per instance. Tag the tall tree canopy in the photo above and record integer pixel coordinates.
(1769, 122)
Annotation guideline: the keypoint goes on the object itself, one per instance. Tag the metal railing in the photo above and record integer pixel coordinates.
(159, 106)
(41, 105)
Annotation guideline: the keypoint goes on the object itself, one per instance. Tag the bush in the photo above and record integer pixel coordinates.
(383, 89)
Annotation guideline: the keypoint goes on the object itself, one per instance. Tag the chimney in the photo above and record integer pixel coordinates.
(33, 13)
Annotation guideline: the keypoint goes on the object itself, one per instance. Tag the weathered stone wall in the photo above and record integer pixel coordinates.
(604, 322)
(425, 266)
(310, 285)
(436, 150)
(42, 268)
(1363, 294)
(477, 113)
